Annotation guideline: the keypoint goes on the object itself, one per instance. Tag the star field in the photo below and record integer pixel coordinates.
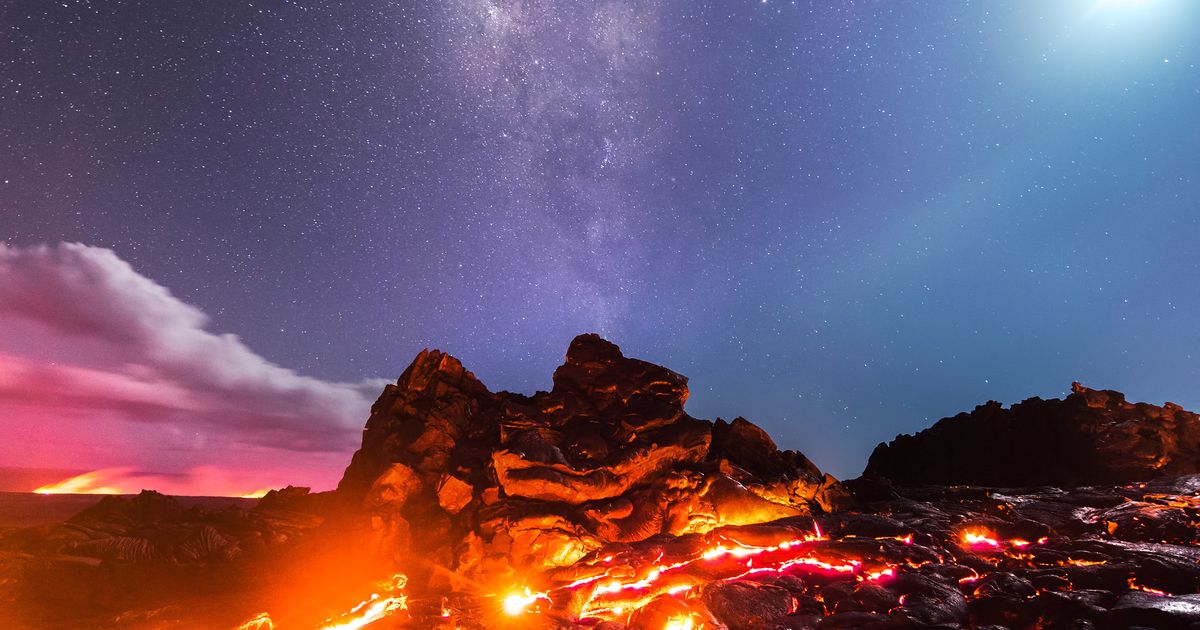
(842, 220)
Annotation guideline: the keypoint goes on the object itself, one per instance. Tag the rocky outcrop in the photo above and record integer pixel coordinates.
(1090, 437)
(501, 482)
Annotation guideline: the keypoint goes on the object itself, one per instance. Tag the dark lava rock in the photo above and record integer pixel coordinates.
(1091, 437)
(872, 597)
(1137, 608)
(152, 528)
(748, 605)
(1004, 583)
(929, 601)
(146, 509)
(1068, 609)
(853, 620)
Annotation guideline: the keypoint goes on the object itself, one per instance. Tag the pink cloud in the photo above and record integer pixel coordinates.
(100, 367)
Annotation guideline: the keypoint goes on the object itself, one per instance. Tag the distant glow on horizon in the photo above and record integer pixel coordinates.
(125, 480)
(87, 483)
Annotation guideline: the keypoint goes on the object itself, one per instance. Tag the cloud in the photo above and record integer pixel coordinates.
(101, 366)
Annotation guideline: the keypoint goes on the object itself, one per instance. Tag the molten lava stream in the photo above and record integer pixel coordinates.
(373, 609)
(612, 599)
(981, 539)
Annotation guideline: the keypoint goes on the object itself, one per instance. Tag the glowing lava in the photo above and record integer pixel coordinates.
(623, 588)
(1134, 586)
(373, 608)
(517, 603)
(979, 537)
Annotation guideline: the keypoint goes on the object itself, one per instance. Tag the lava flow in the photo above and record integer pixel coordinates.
(611, 598)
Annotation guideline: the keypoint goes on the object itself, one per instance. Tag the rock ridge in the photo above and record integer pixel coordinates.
(1090, 437)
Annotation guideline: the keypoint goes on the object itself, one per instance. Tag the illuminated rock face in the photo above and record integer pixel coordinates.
(1091, 437)
(501, 483)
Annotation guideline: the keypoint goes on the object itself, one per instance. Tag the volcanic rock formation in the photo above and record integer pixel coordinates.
(601, 505)
(498, 483)
(1091, 437)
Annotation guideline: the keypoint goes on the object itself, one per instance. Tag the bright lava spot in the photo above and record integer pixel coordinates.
(984, 539)
(975, 537)
(517, 603)
(878, 575)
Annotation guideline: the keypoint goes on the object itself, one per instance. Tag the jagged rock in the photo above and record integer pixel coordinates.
(609, 452)
(1091, 437)
(418, 422)
(453, 494)
(393, 488)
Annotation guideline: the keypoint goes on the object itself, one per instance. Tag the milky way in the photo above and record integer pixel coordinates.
(843, 220)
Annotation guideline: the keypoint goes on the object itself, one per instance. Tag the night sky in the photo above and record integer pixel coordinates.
(842, 220)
